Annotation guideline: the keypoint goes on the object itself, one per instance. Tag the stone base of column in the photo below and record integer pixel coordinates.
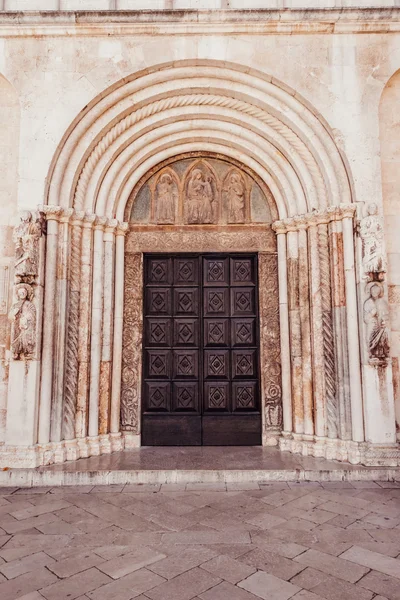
(356, 453)
(29, 457)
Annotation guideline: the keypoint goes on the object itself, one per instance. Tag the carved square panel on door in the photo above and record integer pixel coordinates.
(158, 396)
(242, 271)
(244, 364)
(216, 396)
(158, 364)
(186, 364)
(159, 271)
(243, 332)
(159, 301)
(215, 271)
(216, 364)
(244, 395)
(186, 271)
(185, 396)
(216, 332)
(158, 332)
(186, 301)
(216, 302)
(243, 301)
(186, 332)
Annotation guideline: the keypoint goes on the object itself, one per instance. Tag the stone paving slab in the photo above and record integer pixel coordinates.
(186, 542)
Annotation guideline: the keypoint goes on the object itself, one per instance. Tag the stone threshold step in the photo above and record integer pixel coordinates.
(58, 477)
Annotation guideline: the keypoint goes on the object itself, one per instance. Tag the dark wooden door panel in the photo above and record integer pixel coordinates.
(201, 350)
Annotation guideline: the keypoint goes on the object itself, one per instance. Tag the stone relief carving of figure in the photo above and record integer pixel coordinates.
(26, 239)
(371, 232)
(23, 316)
(166, 195)
(235, 193)
(200, 198)
(376, 316)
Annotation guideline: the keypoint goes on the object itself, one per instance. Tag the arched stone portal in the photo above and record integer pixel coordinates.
(93, 256)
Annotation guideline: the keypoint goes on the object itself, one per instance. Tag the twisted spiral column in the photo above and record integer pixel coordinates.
(71, 362)
(328, 333)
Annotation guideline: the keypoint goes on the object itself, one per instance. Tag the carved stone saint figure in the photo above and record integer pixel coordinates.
(23, 316)
(376, 315)
(26, 239)
(165, 199)
(235, 193)
(200, 198)
(371, 232)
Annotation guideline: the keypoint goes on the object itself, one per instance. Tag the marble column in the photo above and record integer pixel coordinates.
(305, 326)
(353, 338)
(120, 233)
(285, 337)
(52, 216)
(96, 332)
(295, 330)
(108, 311)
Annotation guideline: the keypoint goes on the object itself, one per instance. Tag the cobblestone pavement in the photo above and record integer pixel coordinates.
(335, 541)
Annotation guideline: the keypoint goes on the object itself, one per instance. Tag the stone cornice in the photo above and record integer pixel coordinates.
(314, 218)
(205, 22)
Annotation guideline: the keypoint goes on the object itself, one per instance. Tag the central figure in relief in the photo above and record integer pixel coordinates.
(200, 198)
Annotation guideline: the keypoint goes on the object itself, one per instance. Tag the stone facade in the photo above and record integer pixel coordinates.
(115, 127)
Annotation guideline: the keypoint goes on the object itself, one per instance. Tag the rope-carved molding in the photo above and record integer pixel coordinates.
(197, 100)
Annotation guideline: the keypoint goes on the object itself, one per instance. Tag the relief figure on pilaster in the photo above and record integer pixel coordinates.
(26, 237)
(200, 196)
(235, 197)
(166, 195)
(376, 318)
(23, 317)
(373, 255)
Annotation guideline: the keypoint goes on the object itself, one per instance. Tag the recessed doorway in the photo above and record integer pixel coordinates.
(201, 372)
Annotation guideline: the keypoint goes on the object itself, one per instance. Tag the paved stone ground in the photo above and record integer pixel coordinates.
(334, 541)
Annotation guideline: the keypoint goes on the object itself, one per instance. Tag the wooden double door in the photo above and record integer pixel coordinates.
(201, 350)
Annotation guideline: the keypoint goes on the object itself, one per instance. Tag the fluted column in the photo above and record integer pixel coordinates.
(120, 233)
(97, 319)
(52, 217)
(85, 303)
(71, 362)
(353, 339)
(108, 306)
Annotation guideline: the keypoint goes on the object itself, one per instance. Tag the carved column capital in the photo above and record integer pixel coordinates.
(122, 228)
(100, 223)
(279, 227)
(111, 226)
(300, 222)
(52, 213)
(347, 211)
(88, 220)
(77, 218)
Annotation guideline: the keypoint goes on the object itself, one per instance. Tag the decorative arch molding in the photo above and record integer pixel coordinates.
(144, 118)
